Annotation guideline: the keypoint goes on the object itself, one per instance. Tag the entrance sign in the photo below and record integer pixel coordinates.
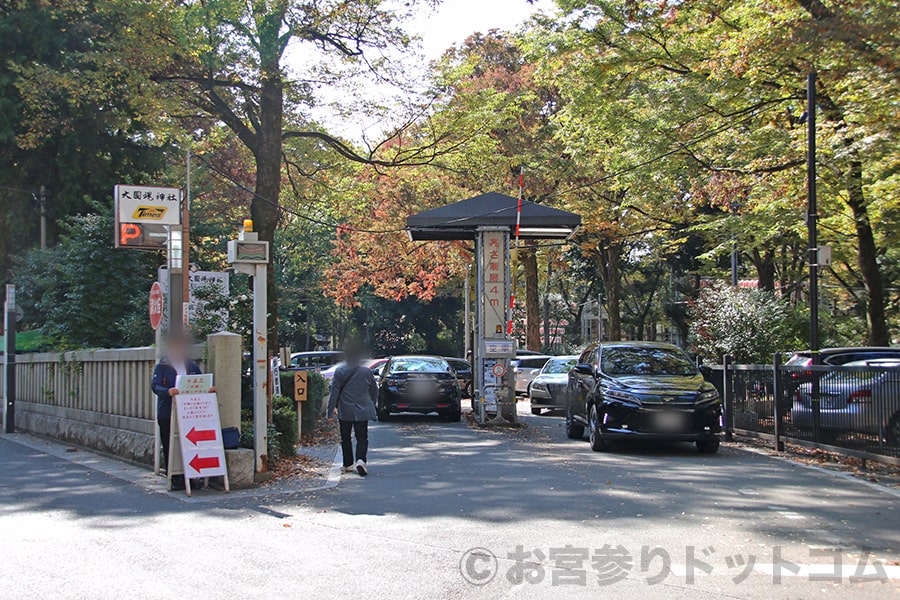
(301, 389)
(147, 204)
(196, 439)
(156, 305)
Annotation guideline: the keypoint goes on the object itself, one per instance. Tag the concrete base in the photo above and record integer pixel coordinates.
(240, 463)
(128, 438)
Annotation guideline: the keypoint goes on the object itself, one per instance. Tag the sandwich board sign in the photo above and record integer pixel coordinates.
(196, 449)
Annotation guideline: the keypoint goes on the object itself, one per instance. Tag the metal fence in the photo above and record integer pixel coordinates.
(854, 410)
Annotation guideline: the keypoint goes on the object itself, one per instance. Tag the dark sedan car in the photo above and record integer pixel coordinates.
(641, 390)
(422, 384)
(464, 374)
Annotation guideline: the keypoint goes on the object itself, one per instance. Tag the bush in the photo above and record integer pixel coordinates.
(284, 419)
(747, 325)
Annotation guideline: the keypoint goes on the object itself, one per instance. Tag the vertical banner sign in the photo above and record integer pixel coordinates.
(200, 435)
(493, 302)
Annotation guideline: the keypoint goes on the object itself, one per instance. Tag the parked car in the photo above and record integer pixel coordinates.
(548, 389)
(797, 375)
(314, 361)
(422, 384)
(641, 390)
(526, 368)
(464, 374)
(863, 399)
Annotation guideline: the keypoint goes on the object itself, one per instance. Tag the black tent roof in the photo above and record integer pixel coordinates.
(458, 221)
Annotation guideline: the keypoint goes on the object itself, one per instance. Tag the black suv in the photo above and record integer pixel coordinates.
(641, 390)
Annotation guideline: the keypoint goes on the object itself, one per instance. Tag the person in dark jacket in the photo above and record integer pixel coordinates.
(353, 393)
(174, 363)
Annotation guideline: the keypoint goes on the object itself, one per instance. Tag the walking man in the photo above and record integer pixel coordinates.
(353, 393)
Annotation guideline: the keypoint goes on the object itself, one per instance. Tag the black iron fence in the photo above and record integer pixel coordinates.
(850, 409)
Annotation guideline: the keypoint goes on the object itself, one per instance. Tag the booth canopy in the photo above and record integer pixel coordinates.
(459, 221)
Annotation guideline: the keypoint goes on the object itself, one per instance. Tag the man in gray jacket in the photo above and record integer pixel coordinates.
(354, 394)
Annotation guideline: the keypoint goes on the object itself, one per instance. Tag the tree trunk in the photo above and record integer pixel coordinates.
(547, 301)
(267, 154)
(610, 257)
(532, 301)
(765, 269)
(867, 259)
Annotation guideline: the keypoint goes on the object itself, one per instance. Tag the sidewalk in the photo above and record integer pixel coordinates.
(156, 484)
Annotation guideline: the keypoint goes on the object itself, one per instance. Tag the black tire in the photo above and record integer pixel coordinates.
(536, 411)
(574, 429)
(454, 416)
(470, 390)
(708, 446)
(384, 413)
(598, 444)
(892, 433)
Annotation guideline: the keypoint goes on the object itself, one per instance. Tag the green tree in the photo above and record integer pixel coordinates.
(83, 293)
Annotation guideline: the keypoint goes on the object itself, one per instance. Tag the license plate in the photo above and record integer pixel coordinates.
(421, 387)
(669, 421)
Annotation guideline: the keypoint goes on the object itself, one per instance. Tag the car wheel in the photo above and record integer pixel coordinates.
(598, 444)
(708, 446)
(536, 411)
(384, 413)
(470, 390)
(892, 433)
(454, 415)
(574, 430)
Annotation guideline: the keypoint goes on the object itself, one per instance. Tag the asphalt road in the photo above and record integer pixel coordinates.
(547, 516)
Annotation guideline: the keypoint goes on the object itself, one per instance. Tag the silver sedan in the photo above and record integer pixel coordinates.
(548, 389)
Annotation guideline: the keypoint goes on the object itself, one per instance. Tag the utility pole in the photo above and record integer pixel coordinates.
(811, 222)
(186, 247)
(10, 374)
(43, 206)
(812, 213)
(467, 329)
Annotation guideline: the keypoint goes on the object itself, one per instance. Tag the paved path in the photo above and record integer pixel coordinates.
(438, 490)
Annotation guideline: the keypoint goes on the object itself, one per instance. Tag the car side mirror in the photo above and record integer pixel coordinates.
(584, 369)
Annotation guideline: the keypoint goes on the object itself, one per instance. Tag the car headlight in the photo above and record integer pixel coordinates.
(708, 397)
(622, 396)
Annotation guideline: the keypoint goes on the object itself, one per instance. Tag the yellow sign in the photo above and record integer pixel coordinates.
(300, 386)
(154, 213)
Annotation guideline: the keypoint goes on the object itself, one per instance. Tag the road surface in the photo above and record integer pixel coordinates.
(450, 511)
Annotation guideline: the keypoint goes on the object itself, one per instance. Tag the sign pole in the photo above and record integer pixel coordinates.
(186, 248)
(250, 255)
(10, 316)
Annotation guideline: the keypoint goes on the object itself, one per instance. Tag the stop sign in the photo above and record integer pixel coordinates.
(156, 305)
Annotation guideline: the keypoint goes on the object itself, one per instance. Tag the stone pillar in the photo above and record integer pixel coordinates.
(224, 362)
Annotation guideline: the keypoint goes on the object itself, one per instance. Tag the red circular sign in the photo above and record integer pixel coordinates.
(499, 370)
(156, 305)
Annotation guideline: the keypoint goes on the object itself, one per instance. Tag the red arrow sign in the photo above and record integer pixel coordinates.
(204, 435)
(197, 463)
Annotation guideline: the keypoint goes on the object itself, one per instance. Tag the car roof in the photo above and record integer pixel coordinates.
(848, 349)
(873, 362)
(408, 356)
(636, 344)
(565, 357)
(317, 353)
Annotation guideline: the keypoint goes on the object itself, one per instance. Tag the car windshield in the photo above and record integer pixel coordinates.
(419, 365)
(645, 361)
(559, 365)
